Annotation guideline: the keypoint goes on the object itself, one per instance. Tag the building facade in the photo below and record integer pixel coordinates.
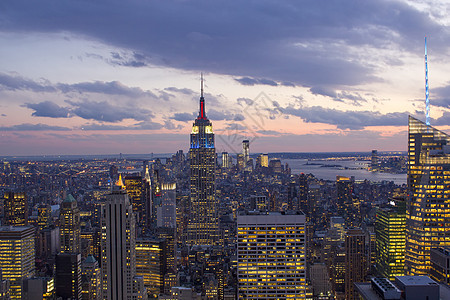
(16, 209)
(271, 256)
(428, 206)
(118, 246)
(17, 257)
(390, 242)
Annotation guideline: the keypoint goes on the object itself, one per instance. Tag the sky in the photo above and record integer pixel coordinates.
(106, 77)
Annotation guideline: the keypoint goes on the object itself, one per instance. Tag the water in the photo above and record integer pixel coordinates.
(349, 168)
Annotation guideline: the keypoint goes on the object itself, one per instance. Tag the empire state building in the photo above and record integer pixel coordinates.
(203, 223)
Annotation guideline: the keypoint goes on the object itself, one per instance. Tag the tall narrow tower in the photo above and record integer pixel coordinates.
(69, 220)
(203, 221)
(427, 99)
(118, 245)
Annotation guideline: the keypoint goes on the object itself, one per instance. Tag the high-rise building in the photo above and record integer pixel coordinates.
(428, 209)
(246, 150)
(44, 215)
(303, 194)
(17, 256)
(440, 265)
(346, 205)
(355, 260)
(226, 160)
(134, 184)
(38, 288)
(69, 220)
(203, 225)
(374, 161)
(248, 162)
(118, 245)
(15, 209)
(150, 259)
(166, 212)
(68, 275)
(91, 280)
(271, 256)
(390, 240)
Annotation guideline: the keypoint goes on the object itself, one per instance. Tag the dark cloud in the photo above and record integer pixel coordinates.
(48, 109)
(343, 96)
(184, 117)
(106, 112)
(354, 120)
(255, 81)
(169, 125)
(134, 60)
(244, 101)
(34, 127)
(301, 42)
(440, 96)
(13, 83)
(101, 87)
(3, 115)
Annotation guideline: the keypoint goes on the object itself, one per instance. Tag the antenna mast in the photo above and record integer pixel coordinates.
(427, 99)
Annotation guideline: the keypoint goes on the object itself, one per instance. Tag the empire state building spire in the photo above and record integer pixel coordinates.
(202, 114)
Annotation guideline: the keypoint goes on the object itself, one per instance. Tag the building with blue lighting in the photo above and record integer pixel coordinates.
(203, 222)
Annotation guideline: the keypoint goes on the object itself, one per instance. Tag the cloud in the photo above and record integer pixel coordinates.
(90, 110)
(343, 96)
(48, 109)
(354, 120)
(14, 83)
(101, 87)
(169, 125)
(106, 112)
(280, 41)
(138, 126)
(181, 91)
(34, 127)
(269, 132)
(184, 117)
(255, 81)
(216, 115)
(441, 98)
(134, 60)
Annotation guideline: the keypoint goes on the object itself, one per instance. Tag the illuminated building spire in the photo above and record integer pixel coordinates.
(202, 114)
(427, 99)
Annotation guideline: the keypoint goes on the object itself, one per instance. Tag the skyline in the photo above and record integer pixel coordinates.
(112, 77)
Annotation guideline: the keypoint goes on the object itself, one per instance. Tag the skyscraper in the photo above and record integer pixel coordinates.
(203, 222)
(17, 256)
(91, 284)
(390, 240)
(16, 209)
(69, 219)
(271, 256)
(355, 260)
(118, 245)
(68, 276)
(428, 209)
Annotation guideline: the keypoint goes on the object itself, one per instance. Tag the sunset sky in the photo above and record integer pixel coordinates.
(105, 77)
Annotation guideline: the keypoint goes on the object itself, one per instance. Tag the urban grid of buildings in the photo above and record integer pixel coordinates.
(209, 226)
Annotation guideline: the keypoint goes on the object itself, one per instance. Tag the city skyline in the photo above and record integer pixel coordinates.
(289, 77)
